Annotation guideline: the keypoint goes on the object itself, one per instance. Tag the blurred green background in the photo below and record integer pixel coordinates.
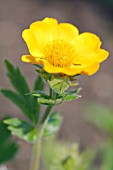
(95, 16)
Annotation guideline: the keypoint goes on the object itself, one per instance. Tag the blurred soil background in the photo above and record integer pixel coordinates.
(89, 16)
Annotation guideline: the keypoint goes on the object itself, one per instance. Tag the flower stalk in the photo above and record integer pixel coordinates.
(35, 161)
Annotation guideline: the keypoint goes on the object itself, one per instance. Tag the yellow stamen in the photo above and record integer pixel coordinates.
(59, 53)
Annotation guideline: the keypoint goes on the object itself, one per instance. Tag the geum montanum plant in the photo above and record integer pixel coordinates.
(60, 54)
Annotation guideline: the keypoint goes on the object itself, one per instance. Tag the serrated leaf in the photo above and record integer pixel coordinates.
(59, 84)
(70, 95)
(40, 94)
(8, 148)
(53, 124)
(17, 79)
(45, 101)
(18, 100)
(39, 84)
(22, 129)
(26, 103)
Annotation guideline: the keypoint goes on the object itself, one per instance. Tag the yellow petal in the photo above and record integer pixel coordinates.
(73, 70)
(50, 21)
(31, 59)
(86, 43)
(95, 57)
(87, 70)
(39, 34)
(67, 31)
(48, 43)
(34, 47)
(91, 69)
(45, 30)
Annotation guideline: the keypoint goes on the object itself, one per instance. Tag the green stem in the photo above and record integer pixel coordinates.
(48, 109)
(37, 146)
(36, 155)
(46, 113)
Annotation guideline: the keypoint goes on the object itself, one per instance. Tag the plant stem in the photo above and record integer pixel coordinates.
(46, 113)
(36, 155)
(37, 146)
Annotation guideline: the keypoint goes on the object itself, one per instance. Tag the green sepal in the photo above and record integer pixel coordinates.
(70, 95)
(22, 129)
(40, 93)
(44, 74)
(38, 65)
(53, 125)
(59, 84)
(45, 101)
(8, 147)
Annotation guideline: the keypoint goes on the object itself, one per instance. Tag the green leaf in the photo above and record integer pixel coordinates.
(22, 129)
(8, 148)
(53, 124)
(39, 84)
(45, 101)
(70, 95)
(18, 100)
(26, 103)
(17, 79)
(59, 84)
(40, 94)
(102, 117)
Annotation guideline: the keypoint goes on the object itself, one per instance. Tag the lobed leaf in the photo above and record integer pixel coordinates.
(70, 95)
(17, 79)
(18, 100)
(45, 101)
(22, 129)
(8, 148)
(26, 103)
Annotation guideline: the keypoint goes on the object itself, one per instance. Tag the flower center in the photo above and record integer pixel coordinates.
(59, 53)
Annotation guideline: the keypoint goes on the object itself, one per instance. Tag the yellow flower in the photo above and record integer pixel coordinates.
(61, 49)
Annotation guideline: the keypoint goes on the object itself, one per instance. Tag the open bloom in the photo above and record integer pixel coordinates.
(61, 49)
